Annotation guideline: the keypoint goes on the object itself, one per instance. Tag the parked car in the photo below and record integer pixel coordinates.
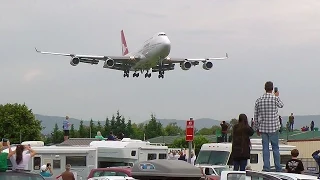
(21, 175)
(111, 171)
(250, 175)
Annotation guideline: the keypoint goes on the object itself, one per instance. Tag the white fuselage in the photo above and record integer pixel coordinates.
(154, 49)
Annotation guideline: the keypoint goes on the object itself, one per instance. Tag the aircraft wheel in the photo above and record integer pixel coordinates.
(137, 75)
(149, 75)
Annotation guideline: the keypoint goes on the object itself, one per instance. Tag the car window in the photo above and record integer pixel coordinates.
(236, 176)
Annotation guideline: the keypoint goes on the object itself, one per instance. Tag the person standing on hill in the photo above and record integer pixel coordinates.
(268, 125)
(291, 121)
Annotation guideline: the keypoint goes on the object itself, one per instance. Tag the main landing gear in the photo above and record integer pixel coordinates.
(147, 75)
(135, 74)
(161, 74)
(126, 73)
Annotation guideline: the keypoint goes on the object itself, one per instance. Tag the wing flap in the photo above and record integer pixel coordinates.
(179, 60)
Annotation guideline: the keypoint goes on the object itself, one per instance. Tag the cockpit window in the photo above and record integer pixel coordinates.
(161, 34)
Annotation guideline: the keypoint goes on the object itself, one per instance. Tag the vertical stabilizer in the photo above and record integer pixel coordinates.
(125, 50)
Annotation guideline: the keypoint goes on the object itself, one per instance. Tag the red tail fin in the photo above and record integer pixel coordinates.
(125, 49)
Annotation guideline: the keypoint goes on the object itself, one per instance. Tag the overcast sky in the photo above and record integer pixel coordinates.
(275, 40)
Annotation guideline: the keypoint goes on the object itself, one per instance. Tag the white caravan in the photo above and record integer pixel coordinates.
(219, 154)
(98, 154)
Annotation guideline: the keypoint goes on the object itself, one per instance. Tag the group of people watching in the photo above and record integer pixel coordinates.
(181, 155)
(266, 124)
(111, 137)
(20, 158)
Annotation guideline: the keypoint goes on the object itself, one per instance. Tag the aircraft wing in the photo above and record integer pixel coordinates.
(92, 59)
(193, 61)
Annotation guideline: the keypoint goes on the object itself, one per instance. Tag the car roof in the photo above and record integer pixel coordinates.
(118, 169)
(22, 173)
(293, 175)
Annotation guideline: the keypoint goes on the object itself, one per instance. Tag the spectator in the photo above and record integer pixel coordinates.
(20, 159)
(268, 125)
(99, 136)
(111, 137)
(252, 123)
(224, 131)
(193, 158)
(241, 144)
(182, 156)
(66, 128)
(280, 119)
(316, 157)
(312, 126)
(120, 136)
(291, 121)
(68, 175)
(4, 157)
(44, 170)
(294, 165)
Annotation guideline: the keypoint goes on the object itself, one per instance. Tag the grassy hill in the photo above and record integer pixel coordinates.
(49, 121)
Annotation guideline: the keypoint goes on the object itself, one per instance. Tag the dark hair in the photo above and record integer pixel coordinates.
(295, 153)
(243, 125)
(19, 151)
(268, 86)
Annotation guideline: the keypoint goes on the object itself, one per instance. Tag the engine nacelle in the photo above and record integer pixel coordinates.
(109, 63)
(207, 65)
(75, 61)
(185, 65)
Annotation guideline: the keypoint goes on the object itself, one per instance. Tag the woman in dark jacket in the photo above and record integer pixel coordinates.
(241, 143)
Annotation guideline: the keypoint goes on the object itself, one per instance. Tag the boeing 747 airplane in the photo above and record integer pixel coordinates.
(153, 56)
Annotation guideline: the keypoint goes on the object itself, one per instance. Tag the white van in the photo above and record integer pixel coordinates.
(219, 154)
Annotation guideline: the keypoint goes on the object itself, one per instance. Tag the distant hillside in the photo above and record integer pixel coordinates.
(49, 121)
(199, 123)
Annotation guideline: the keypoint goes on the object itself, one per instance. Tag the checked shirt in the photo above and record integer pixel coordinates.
(266, 113)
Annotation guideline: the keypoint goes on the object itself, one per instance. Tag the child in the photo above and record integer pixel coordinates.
(294, 165)
(316, 157)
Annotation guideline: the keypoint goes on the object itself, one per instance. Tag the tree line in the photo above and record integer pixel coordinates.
(18, 123)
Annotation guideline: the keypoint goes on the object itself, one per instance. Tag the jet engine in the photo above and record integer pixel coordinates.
(109, 63)
(207, 65)
(185, 65)
(75, 61)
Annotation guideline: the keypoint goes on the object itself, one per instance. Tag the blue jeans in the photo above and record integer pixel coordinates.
(224, 137)
(273, 138)
(240, 164)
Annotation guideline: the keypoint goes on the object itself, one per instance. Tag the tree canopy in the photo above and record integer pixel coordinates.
(18, 123)
(18, 120)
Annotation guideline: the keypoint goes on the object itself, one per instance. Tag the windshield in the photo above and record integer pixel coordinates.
(109, 173)
(220, 169)
(15, 176)
(213, 157)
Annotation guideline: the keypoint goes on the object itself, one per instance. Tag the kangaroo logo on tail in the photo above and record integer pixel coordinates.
(125, 50)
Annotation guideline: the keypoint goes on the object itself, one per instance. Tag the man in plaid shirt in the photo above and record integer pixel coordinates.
(268, 125)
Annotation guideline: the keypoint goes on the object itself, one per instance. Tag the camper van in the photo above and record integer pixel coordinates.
(98, 154)
(219, 154)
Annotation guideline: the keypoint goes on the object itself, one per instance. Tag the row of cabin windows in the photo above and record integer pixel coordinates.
(81, 161)
(154, 156)
(76, 161)
(254, 159)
